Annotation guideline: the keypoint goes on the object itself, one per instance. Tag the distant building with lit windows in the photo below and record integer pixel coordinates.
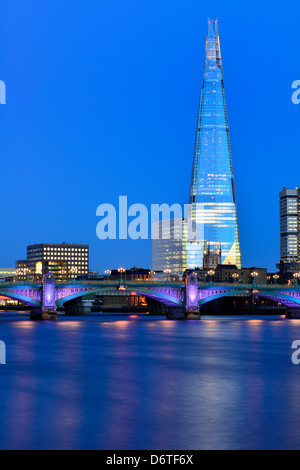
(22, 270)
(7, 274)
(289, 230)
(65, 261)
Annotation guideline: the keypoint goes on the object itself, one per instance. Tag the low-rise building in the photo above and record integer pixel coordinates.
(230, 273)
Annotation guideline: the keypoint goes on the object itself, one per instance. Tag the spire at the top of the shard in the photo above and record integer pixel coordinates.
(210, 50)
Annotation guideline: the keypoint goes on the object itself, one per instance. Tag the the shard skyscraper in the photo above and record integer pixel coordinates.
(212, 193)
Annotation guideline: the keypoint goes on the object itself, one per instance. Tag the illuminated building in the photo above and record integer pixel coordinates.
(65, 261)
(22, 270)
(168, 246)
(7, 274)
(212, 193)
(289, 230)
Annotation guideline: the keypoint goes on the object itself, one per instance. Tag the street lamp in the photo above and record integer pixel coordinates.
(296, 276)
(210, 273)
(108, 273)
(235, 277)
(276, 277)
(122, 270)
(167, 271)
(254, 275)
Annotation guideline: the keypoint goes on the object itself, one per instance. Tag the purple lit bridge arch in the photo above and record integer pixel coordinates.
(169, 294)
(286, 295)
(27, 294)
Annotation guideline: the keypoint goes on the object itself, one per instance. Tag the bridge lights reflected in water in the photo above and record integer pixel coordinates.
(25, 325)
(70, 324)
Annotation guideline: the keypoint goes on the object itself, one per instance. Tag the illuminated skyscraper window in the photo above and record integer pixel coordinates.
(212, 193)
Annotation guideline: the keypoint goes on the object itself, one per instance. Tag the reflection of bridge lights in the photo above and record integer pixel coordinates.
(25, 325)
(121, 323)
(70, 324)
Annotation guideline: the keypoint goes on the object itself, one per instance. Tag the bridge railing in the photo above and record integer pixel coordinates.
(151, 282)
(118, 282)
(20, 283)
(249, 286)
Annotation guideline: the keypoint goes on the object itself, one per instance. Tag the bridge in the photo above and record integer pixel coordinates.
(180, 299)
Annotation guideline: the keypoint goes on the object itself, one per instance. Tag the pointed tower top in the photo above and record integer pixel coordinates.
(210, 48)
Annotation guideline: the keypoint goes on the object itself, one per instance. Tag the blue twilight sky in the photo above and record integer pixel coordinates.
(102, 100)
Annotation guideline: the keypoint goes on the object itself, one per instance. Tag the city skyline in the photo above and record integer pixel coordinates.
(70, 153)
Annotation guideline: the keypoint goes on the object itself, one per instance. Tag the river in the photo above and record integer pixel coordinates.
(141, 382)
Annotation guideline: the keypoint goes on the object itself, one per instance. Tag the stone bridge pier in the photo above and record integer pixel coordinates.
(192, 309)
(48, 309)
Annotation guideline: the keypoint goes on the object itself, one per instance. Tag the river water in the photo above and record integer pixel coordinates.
(141, 382)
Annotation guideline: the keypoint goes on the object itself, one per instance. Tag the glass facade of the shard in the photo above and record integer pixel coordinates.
(212, 193)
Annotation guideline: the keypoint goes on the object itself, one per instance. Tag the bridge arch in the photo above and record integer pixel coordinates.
(279, 297)
(222, 294)
(161, 297)
(21, 298)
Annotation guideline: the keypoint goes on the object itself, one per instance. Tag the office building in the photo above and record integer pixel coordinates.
(289, 230)
(169, 246)
(65, 261)
(7, 274)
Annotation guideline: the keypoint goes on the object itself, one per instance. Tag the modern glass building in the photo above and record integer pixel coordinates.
(168, 246)
(212, 192)
(290, 229)
(212, 204)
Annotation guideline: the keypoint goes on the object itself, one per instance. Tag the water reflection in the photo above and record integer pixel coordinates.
(138, 383)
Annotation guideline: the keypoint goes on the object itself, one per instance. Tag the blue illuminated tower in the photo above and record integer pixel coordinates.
(212, 193)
